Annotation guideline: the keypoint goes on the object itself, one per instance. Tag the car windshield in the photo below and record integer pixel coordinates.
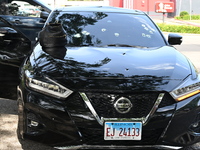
(108, 29)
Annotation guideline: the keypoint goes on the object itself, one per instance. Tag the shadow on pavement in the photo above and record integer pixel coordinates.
(8, 129)
(30, 145)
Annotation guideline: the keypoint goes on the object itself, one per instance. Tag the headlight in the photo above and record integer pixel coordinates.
(48, 87)
(187, 89)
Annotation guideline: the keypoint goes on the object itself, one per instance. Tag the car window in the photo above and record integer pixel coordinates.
(107, 29)
(19, 8)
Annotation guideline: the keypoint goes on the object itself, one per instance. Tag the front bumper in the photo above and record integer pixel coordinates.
(103, 147)
(60, 123)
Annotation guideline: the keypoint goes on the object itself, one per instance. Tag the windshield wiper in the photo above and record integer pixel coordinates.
(125, 45)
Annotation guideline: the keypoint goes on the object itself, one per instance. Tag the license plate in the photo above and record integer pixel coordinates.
(122, 130)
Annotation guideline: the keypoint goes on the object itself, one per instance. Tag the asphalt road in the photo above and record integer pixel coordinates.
(190, 47)
(8, 108)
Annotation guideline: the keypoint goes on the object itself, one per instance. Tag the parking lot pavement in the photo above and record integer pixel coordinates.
(8, 129)
(174, 21)
(190, 47)
(8, 124)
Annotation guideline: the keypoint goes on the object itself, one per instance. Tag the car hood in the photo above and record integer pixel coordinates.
(115, 68)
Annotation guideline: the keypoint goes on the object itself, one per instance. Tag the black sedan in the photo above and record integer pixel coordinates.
(105, 77)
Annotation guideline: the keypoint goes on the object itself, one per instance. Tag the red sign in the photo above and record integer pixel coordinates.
(164, 7)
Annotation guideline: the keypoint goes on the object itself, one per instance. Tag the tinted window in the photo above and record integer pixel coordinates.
(101, 29)
(19, 8)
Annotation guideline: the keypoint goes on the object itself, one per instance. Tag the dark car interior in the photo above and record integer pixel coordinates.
(20, 23)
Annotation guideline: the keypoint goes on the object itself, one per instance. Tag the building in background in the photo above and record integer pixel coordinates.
(63, 3)
(191, 6)
(148, 6)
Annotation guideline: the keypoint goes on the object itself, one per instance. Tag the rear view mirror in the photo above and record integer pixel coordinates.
(44, 15)
(174, 39)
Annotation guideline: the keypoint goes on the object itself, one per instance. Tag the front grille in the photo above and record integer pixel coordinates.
(103, 104)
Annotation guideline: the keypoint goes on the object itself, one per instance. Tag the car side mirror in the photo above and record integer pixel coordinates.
(174, 39)
(44, 15)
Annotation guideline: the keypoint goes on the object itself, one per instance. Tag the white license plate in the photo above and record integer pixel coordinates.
(122, 130)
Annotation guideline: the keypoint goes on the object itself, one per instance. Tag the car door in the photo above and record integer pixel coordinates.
(20, 23)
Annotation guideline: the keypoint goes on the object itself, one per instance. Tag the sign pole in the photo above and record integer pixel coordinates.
(190, 9)
(163, 17)
(179, 7)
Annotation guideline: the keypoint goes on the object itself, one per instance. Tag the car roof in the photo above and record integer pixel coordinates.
(98, 9)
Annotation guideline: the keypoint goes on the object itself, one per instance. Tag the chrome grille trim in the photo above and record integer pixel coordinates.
(154, 108)
(89, 105)
(101, 120)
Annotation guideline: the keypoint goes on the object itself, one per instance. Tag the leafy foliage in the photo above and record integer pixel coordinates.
(187, 17)
(184, 13)
(178, 28)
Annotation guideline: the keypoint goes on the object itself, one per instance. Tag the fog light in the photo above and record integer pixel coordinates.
(34, 123)
(195, 125)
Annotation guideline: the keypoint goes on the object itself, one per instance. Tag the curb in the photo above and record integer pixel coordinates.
(189, 23)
